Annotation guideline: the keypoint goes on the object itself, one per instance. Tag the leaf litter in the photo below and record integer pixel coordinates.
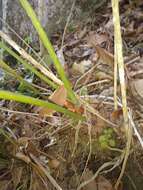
(44, 143)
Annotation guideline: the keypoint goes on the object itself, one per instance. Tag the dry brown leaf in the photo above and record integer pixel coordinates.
(117, 114)
(101, 183)
(58, 97)
(82, 33)
(105, 56)
(74, 108)
(92, 185)
(82, 67)
(54, 163)
(102, 75)
(96, 38)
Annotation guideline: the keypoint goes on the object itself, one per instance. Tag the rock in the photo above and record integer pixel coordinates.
(52, 14)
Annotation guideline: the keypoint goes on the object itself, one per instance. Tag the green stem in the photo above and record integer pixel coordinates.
(10, 71)
(46, 42)
(37, 102)
(28, 66)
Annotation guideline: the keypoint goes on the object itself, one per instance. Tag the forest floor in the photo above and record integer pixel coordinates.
(56, 151)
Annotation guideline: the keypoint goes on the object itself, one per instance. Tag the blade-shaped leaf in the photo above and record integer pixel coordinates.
(13, 73)
(37, 102)
(28, 66)
(46, 42)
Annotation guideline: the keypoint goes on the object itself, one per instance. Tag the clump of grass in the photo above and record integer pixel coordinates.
(47, 44)
(14, 74)
(21, 98)
(28, 66)
(105, 140)
(44, 75)
(37, 102)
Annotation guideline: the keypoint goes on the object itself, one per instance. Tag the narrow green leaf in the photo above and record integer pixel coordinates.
(14, 74)
(8, 69)
(46, 42)
(37, 102)
(28, 66)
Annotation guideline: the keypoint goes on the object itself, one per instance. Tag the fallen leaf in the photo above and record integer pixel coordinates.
(96, 38)
(82, 67)
(92, 185)
(117, 114)
(102, 75)
(54, 163)
(100, 183)
(82, 33)
(103, 183)
(58, 97)
(74, 108)
(105, 56)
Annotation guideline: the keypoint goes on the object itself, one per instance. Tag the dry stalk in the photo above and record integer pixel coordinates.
(95, 112)
(67, 23)
(119, 60)
(76, 138)
(44, 171)
(30, 59)
(88, 72)
(99, 171)
(90, 145)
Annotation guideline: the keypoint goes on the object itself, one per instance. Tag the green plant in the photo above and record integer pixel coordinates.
(106, 139)
(47, 44)
(27, 66)
(37, 102)
(27, 99)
